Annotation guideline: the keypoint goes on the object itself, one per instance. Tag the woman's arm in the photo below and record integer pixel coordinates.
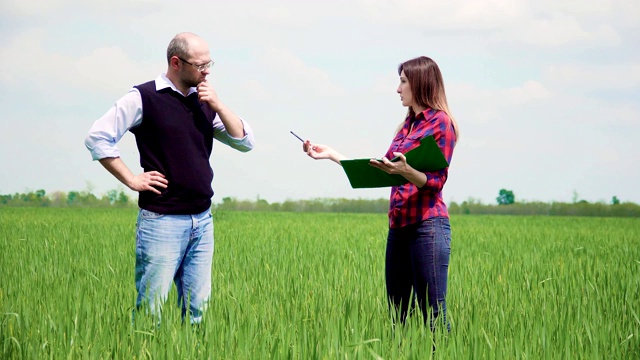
(320, 151)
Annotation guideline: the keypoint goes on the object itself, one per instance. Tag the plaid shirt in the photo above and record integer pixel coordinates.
(409, 204)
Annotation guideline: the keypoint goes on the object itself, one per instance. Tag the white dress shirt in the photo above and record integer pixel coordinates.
(126, 113)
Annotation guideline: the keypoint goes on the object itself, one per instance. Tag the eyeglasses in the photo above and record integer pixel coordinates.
(201, 67)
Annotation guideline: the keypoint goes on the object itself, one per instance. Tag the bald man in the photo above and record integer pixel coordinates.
(174, 119)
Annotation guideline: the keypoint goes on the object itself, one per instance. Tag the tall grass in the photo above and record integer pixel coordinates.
(311, 286)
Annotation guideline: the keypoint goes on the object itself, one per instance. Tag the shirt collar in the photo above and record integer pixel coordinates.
(163, 82)
(423, 114)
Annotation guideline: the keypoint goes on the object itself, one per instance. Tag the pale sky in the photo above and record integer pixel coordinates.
(546, 93)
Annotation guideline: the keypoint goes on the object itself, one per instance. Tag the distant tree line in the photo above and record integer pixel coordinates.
(313, 205)
(581, 208)
(506, 204)
(39, 198)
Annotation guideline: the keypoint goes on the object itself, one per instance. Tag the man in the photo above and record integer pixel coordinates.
(174, 119)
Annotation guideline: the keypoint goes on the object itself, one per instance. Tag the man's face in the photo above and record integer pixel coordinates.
(195, 69)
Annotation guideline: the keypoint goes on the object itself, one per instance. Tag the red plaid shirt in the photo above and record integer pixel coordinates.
(409, 204)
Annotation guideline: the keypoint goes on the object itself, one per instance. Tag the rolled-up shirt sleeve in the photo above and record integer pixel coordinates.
(243, 144)
(105, 132)
(445, 136)
(435, 180)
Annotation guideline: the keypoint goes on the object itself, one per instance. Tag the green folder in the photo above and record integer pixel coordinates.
(426, 157)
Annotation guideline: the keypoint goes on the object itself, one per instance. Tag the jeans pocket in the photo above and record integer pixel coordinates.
(426, 232)
(445, 228)
(149, 215)
(447, 242)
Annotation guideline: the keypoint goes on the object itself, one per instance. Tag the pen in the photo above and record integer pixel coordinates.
(294, 134)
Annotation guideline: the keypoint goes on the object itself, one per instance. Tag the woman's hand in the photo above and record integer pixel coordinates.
(317, 151)
(320, 151)
(399, 166)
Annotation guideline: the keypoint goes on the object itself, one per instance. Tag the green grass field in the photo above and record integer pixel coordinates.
(311, 286)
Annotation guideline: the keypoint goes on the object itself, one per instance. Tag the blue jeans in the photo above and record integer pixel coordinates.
(176, 248)
(417, 260)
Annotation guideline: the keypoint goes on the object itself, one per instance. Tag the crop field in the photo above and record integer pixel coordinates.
(311, 286)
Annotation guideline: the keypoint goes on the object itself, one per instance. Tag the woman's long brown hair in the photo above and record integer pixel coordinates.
(427, 87)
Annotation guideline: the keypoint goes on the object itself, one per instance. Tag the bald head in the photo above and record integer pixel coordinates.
(182, 44)
(188, 61)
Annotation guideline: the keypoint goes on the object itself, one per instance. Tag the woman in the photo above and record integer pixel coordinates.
(419, 239)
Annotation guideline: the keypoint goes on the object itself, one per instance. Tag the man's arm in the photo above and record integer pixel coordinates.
(105, 132)
(231, 121)
(147, 181)
(108, 130)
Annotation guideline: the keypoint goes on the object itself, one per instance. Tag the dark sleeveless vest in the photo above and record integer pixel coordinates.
(175, 138)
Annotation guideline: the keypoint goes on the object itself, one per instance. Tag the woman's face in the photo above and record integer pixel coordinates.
(404, 89)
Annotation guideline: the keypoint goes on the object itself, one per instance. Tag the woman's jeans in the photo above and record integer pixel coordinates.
(176, 248)
(417, 260)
